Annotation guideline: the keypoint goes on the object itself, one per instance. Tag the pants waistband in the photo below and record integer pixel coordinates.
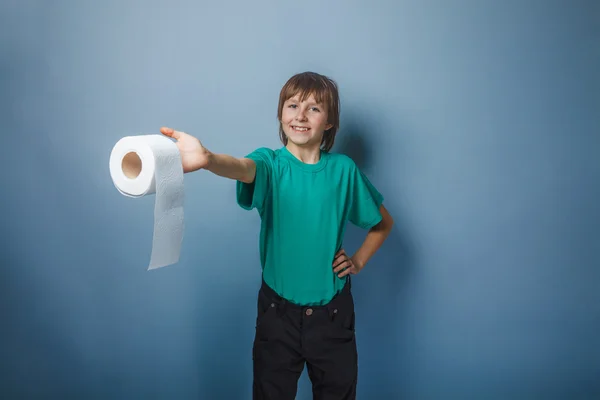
(331, 306)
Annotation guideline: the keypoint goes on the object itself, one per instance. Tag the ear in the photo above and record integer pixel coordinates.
(328, 127)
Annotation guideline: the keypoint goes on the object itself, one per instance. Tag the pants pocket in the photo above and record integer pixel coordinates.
(264, 308)
(343, 322)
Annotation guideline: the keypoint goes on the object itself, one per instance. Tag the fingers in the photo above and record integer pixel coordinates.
(341, 261)
(343, 265)
(170, 132)
(345, 272)
(340, 257)
(340, 253)
(346, 264)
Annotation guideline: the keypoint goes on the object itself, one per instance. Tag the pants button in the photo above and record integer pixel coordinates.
(309, 311)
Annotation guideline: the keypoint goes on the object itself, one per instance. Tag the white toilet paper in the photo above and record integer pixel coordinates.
(151, 164)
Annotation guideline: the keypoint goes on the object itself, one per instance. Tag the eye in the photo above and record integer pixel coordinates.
(292, 106)
(315, 109)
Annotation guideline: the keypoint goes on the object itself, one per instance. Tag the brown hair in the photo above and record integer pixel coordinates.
(325, 91)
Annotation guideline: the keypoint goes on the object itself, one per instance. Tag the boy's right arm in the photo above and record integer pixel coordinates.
(195, 156)
(241, 169)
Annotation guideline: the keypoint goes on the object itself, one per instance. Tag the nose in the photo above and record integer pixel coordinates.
(300, 115)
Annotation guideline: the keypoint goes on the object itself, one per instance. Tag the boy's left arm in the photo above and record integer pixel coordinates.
(344, 265)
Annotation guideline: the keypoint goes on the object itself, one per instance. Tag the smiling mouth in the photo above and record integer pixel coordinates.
(300, 128)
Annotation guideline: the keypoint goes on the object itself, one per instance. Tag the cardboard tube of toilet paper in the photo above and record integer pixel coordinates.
(151, 165)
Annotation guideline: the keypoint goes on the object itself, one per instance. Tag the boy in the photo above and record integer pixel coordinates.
(304, 195)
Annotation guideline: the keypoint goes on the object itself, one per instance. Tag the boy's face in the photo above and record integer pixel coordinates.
(304, 122)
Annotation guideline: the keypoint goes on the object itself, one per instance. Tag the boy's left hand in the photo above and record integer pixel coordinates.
(345, 264)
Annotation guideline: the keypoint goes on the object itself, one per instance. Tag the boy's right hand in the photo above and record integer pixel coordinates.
(194, 156)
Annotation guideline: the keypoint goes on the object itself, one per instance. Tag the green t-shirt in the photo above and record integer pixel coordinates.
(304, 209)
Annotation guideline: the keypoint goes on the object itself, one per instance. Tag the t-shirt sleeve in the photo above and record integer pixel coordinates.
(254, 195)
(365, 202)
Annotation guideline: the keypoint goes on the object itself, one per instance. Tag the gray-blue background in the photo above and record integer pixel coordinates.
(478, 121)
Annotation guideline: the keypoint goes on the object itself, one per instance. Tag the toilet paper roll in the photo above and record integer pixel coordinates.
(151, 164)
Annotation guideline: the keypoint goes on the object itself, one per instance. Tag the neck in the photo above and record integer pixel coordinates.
(308, 155)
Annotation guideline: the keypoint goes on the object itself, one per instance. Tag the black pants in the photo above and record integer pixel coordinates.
(288, 336)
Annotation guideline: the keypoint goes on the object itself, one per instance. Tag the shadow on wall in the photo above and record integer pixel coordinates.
(352, 140)
(383, 290)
